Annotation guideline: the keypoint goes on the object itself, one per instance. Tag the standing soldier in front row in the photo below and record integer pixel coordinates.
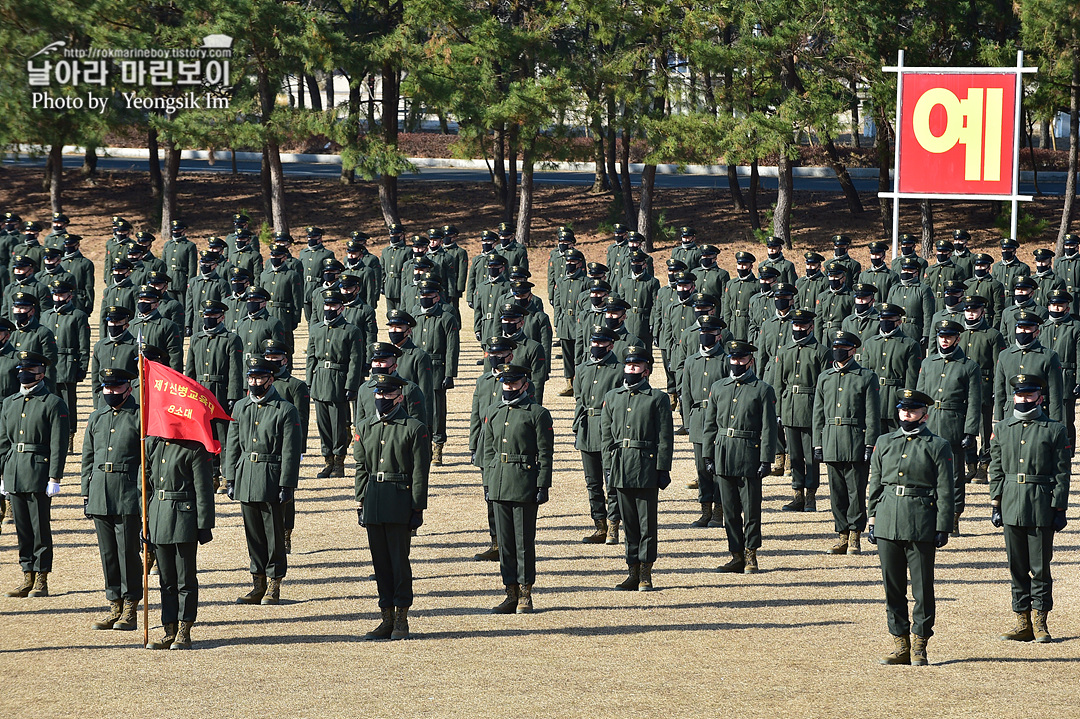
(71, 327)
(393, 454)
(910, 509)
(700, 370)
(33, 448)
(1029, 493)
(262, 468)
(517, 446)
(111, 495)
(637, 447)
(296, 393)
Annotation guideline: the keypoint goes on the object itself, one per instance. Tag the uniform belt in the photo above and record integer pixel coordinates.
(886, 382)
(389, 477)
(120, 467)
(843, 422)
(1068, 365)
(1031, 478)
(953, 406)
(287, 305)
(696, 405)
(437, 361)
(506, 458)
(801, 389)
(256, 457)
(28, 447)
(739, 313)
(635, 444)
(901, 491)
(738, 433)
(62, 351)
(212, 378)
(178, 496)
(637, 310)
(327, 364)
(829, 324)
(593, 412)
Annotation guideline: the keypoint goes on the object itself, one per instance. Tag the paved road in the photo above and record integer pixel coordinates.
(439, 174)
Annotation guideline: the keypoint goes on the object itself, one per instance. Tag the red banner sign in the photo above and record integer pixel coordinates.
(178, 407)
(957, 133)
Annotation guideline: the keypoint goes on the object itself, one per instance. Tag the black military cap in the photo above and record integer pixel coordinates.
(785, 289)
(619, 228)
(1071, 239)
(28, 359)
(745, 257)
(835, 268)
(119, 313)
(567, 235)
(708, 251)
(877, 246)
(494, 259)
(841, 241)
(974, 301)
(687, 231)
(282, 238)
(314, 231)
(396, 228)
(711, 323)
(511, 372)
(947, 327)
(244, 232)
(175, 225)
(435, 233)
(133, 249)
(505, 229)
(1026, 282)
(276, 347)
(685, 278)
(1028, 383)
(520, 287)
(423, 263)
(952, 286)
(982, 258)
(239, 273)
(158, 278)
(400, 317)
(354, 245)
(382, 350)
(841, 338)
(912, 399)
(887, 309)
(332, 296)
(499, 344)
(23, 261)
(518, 271)
(216, 243)
(122, 225)
(1058, 297)
(207, 256)
(803, 317)
(511, 310)
(387, 382)
(768, 272)
(909, 263)
(602, 334)
(774, 242)
(116, 376)
(70, 240)
(278, 251)
(637, 257)
(738, 348)
(358, 236)
(348, 280)
(864, 289)
(488, 235)
(213, 307)
(450, 231)
(1009, 243)
(674, 265)
(59, 287)
(260, 365)
(1027, 319)
(616, 304)
(32, 226)
(429, 286)
(943, 246)
(240, 219)
(961, 235)
(146, 292)
(331, 265)
(907, 239)
(637, 353)
(144, 238)
(257, 294)
(596, 268)
(60, 217)
(24, 299)
(6, 325)
(419, 241)
(635, 237)
(575, 256)
(53, 252)
(701, 299)
(599, 286)
(12, 217)
(813, 257)
(1043, 255)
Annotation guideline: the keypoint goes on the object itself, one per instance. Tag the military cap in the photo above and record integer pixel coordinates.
(701, 299)
(594, 268)
(331, 265)
(119, 313)
(419, 241)
(149, 293)
(283, 238)
(877, 246)
(122, 225)
(435, 233)
(359, 236)
(276, 347)
(505, 229)
(864, 289)
(313, 231)
(144, 238)
(387, 382)
(60, 217)
(1009, 243)
(891, 310)
(354, 245)
(32, 226)
(278, 251)
(768, 272)
(909, 263)
(602, 334)
(1059, 297)
(912, 399)
(133, 249)
(803, 317)
(745, 257)
(175, 225)
(840, 337)
(619, 228)
(813, 257)
(158, 278)
(53, 252)
(1043, 255)
(521, 286)
(244, 232)
(954, 286)
(774, 242)
(575, 256)
(240, 219)
(961, 235)
(216, 243)
(738, 348)
(517, 271)
(947, 327)
(511, 372)
(638, 257)
(257, 294)
(208, 256)
(635, 237)
(70, 240)
(260, 365)
(32, 359)
(943, 246)
(494, 259)
(115, 376)
(982, 258)
(450, 231)
(213, 307)
(1028, 319)
(974, 301)
(841, 241)
(423, 264)
(59, 287)
(674, 265)
(711, 323)
(6, 325)
(488, 235)
(23, 261)
(332, 296)
(687, 231)
(400, 317)
(599, 286)
(499, 344)
(1028, 383)
(685, 278)
(12, 217)
(835, 268)
(428, 286)
(382, 350)
(567, 235)
(907, 239)
(616, 304)
(784, 289)
(637, 353)
(348, 280)
(123, 264)
(395, 228)
(1027, 282)
(511, 309)
(1071, 239)
(239, 273)
(708, 250)
(24, 299)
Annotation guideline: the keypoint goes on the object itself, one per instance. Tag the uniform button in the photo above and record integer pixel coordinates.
(901, 474)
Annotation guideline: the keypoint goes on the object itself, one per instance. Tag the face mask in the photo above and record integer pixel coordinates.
(1007, 255)
(911, 426)
(1070, 251)
(118, 278)
(259, 390)
(313, 242)
(612, 323)
(238, 288)
(144, 308)
(782, 303)
(981, 272)
(1024, 338)
(384, 405)
(840, 354)
(799, 334)
(1020, 299)
(764, 288)
(877, 261)
(1058, 315)
(509, 395)
(427, 302)
(571, 270)
(22, 319)
(114, 400)
(487, 246)
(277, 261)
(494, 362)
(211, 322)
(738, 370)
(563, 247)
(509, 328)
(862, 308)
(598, 353)
(707, 339)
(952, 300)
(521, 301)
(27, 378)
(330, 315)
(631, 379)
(253, 307)
(397, 337)
(596, 301)
(698, 314)
(813, 273)
(684, 294)
(743, 273)
(57, 304)
(836, 284)
(946, 352)
(671, 279)
(637, 269)
(1025, 407)
(206, 268)
(506, 241)
(707, 262)
(942, 257)
(887, 326)
(116, 330)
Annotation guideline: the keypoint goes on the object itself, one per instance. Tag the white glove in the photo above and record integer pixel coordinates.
(52, 488)
(3, 490)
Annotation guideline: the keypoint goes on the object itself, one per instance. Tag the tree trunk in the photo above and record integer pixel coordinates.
(330, 91)
(837, 165)
(155, 163)
(645, 205)
(313, 92)
(168, 187)
(512, 173)
(300, 91)
(1044, 134)
(232, 156)
(781, 223)
(1074, 149)
(498, 162)
(627, 189)
(89, 168)
(926, 213)
(264, 183)
(525, 205)
(856, 131)
(272, 157)
(371, 103)
(600, 179)
(56, 176)
(388, 195)
(884, 162)
(751, 205)
(609, 137)
(352, 130)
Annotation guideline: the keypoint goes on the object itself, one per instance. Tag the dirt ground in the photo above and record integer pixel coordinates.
(800, 639)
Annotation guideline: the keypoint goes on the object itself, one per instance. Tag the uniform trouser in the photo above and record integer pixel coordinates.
(708, 491)
(669, 372)
(179, 581)
(438, 436)
(567, 358)
(897, 559)
(538, 391)
(1070, 420)
(119, 545)
(390, 544)
(68, 392)
(1029, 551)
(959, 480)
(742, 512)
(515, 530)
(603, 502)
(805, 472)
(289, 511)
(987, 428)
(32, 512)
(847, 494)
(220, 431)
(332, 419)
(264, 529)
(639, 508)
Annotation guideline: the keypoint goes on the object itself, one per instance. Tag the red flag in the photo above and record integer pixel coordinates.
(177, 407)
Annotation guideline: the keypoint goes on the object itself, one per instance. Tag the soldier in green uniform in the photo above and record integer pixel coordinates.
(334, 372)
(245, 254)
(1045, 278)
(239, 282)
(516, 448)
(514, 252)
(982, 344)
(60, 221)
(917, 300)
(1061, 333)
(666, 297)
(295, 392)
(28, 245)
(907, 252)
(33, 448)
(982, 284)
(852, 267)
(735, 304)
(776, 330)
(794, 371)
(1029, 493)
(118, 348)
(24, 280)
(82, 269)
(415, 364)
(364, 266)
(30, 335)
(169, 307)
(636, 442)
(962, 256)
(954, 383)
(638, 288)
(740, 432)
(9, 382)
(478, 266)
(1067, 267)
(528, 353)
(181, 259)
(711, 278)
(952, 308)
(893, 356)
(834, 303)
(327, 276)
(813, 283)
(111, 494)
(437, 332)
(416, 271)
(358, 312)
(878, 273)
(537, 324)
(847, 420)
(761, 304)
(941, 272)
(384, 361)
(206, 286)
(458, 264)
(216, 361)
(910, 509)
(1023, 296)
(488, 293)
(565, 242)
(286, 288)
(567, 289)
(71, 327)
(392, 463)
(121, 235)
(311, 258)
(53, 270)
(775, 259)
(155, 329)
(1027, 355)
(1010, 268)
(142, 257)
(392, 259)
(262, 469)
(256, 325)
(863, 321)
(687, 251)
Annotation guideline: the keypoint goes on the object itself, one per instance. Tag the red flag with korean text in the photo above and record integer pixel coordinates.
(178, 407)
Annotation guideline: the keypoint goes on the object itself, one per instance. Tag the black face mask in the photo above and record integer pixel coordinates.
(116, 330)
(27, 377)
(494, 362)
(22, 319)
(509, 395)
(509, 328)
(738, 370)
(487, 246)
(384, 405)
(836, 284)
(258, 390)
(764, 288)
(840, 252)
(313, 242)
(114, 400)
(506, 241)
(1020, 299)
(942, 257)
(563, 247)
(1007, 255)
(813, 274)
(671, 279)
(571, 270)
(799, 334)
(596, 301)
(743, 273)
(981, 272)
(396, 337)
(887, 326)
(1070, 251)
(840, 354)
(521, 301)
(598, 353)
(330, 315)
(238, 288)
(117, 278)
(684, 294)
(631, 379)
(637, 269)
(144, 308)
(205, 268)
(277, 261)
(971, 324)
(863, 308)
(707, 262)
(57, 304)
(782, 303)
(911, 426)
(952, 300)
(877, 261)
(1025, 407)
(210, 323)
(1024, 338)
(612, 323)
(253, 307)
(428, 302)
(1058, 315)
(907, 276)
(707, 339)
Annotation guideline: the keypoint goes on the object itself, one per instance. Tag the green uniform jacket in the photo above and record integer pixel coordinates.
(415, 404)
(937, 275)
(809, 288)
(741, 436)
(993, 292)
(254, 329)
(172, 310)
(556, 267)
(895, 360)
(311, 259)
(831, 307)
(782, 265)
(1009, 315)
(486, 305)
(529, 353)
(660, 331)
(955, 384)
(334, 352)
(37, 338)
(883, 279)
(391, 260)
(286, 290)
(517, 445)
(117, 352)
(847, 412)
(640, 293)
(118, 295)
(477, 272)
(181, 261)
(965, 261)
(775, 332)
(438, 333)
(918, 303)
(295, 392)
(923, 264)
(488, 391)
(1038, 360)
(712, 281)
(982, 344)
(32, 286)
(161, 333)
(1063, 337)
(1048, 282)
(538, 327)
(922, 465)
(262, 453)
(567, 290)
(369, 270)
(1068, 269)
(417, 366)
(82, 269)
(1039, 449)
(852, 267)
(700, 370)
(1008, 273)
(9, 380)
(33, 440)
(458, 268)
(362, 315)
(637, 437)
(515, 253)
(250, 259)
(111, 455)
(216, 361)
(688, 254)
(393, 456)
(795, 370)
(680, 317)
(593, 380)
(735, 304)
(71, 327)
(863, 326)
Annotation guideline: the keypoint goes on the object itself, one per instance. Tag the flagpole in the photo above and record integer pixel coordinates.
(145, 508)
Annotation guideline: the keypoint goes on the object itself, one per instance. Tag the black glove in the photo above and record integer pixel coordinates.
(968, 442)
(478, 340)
(285, 494)
(763, 470)
(80, 375)
(710, 465)
(1076, 391)
(472, 458)
(360, 514)
(206, 535)
(417, 519)
(663, 478)
(542, 495)
(85, 504)
(350, 395)
(448, 383)
(146, 542)
(995, 517)
(487, 497)
(869, 451)
(941, 539)
(1060, 521)
(819, 454)
(230, 489)
(187, 331)
(870, 535)
(924, 342)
